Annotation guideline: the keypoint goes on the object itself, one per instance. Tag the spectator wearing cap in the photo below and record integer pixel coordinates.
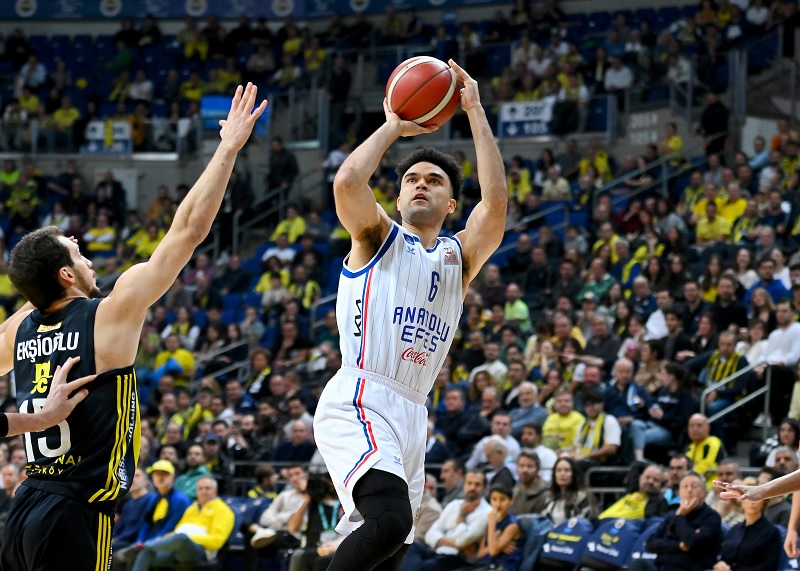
(599, 436)
(164, 509)
(203, 529)
(215, 459)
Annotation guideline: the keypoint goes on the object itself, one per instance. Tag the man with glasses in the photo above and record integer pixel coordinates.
(679, 465)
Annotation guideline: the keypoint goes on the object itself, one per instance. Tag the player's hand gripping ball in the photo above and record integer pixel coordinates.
(424, 90)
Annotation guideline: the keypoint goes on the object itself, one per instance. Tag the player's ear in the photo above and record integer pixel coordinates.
(66, 277)
(451, 207)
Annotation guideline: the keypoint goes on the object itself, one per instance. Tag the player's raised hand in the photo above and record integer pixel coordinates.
(59, 405)
(740, 492)
(407, 128)
(470, 95)
(237, 127)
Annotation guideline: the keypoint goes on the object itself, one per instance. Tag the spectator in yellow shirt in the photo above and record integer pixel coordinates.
(597, 158)
(8, 295)
(182, 360)
(60, 131)
(712, 229)
(705, 450)
(561, 427)
(734, 206)
(28, 101)
(204, 528)
(100, 238)
(645, 502)
(293, 226)
(672, 145)
(145, 244)
(710, 194)
(193, 88)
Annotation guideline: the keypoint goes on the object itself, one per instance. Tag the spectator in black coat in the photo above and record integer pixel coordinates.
(283, 168)
(299, 448)
(435, 452)
(689, 538)
(754, 544)
(450, 423)
(714, 120)
(728, 310)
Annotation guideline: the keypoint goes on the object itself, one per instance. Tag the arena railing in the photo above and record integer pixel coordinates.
(211, 355)
(764, 390)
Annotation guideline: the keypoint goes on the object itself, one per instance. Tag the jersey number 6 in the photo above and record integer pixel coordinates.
(41, 443)
(434, 286)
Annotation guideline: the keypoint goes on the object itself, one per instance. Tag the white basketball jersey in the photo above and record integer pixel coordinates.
(398, 314)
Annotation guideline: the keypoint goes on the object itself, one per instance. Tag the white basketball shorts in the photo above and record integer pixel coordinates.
(364, 420)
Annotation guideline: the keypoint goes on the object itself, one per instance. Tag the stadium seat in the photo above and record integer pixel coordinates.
(564, 544)
(200, 318)
(598, 22)
(638, 551)
(535, 527)
(611, 544)
(597, 119)
(232, 301)
(252, 299)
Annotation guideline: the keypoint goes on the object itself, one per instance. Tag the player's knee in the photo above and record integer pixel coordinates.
(391, 525)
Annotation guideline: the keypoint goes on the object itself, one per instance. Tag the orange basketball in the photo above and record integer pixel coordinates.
(424, 90)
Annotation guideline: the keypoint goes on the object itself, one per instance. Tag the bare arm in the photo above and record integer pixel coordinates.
(356, 207)
(141, 286)
(8, 332)
(486, 225)
(58, 405)
(778, 487)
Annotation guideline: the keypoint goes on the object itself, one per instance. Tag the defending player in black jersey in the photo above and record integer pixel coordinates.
(77, 470)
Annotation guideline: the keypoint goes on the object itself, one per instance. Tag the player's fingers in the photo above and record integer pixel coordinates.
(249, 98)
(78, 383)
(64, 370)
(237, 98)
(222, 122)
(462, 75)
(259, 110)
(386, 106)
(78, 397)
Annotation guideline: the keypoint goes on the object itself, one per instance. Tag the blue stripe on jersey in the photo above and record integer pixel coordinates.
(458, 243)
(386, 244)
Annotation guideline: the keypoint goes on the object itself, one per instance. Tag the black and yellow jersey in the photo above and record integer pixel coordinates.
(92, 455)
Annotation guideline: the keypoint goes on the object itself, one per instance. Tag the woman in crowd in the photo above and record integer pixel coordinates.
(570, 495)
(745, 272)
(636, 332)
(762, 307)
(753, 344)
(788, 435)
(677, 274)
(710, 277)
(753, 545)
(651, 365)
(184, 327)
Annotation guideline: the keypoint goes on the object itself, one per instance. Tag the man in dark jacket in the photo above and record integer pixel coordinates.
(283, 168)
(689, 538)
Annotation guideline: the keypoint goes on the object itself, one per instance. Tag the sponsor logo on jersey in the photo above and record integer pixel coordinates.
(410, 250)
(418, 325)
(45, 328)
(32, 349)
(416, 357)
(450, 256)
(409, 239)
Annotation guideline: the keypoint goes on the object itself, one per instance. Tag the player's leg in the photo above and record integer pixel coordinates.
(76, 537)
(382, 500)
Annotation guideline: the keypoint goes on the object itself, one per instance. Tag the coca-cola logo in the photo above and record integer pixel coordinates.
(416, 357)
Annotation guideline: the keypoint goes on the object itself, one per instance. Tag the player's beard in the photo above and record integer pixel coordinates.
(89, 287)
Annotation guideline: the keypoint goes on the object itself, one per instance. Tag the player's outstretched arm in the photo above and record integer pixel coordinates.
(774, 488)
(142, 285)
(486, 225)
(355, 204)
(58, 406)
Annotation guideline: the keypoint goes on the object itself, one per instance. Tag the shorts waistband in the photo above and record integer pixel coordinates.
(108, 507)
(401, 389)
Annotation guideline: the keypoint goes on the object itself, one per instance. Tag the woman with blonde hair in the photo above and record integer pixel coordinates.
(763, 308)
(752, 544)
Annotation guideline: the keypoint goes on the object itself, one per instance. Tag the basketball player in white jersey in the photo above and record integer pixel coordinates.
(399, 303)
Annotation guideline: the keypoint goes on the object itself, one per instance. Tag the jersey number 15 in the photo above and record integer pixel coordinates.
(33, 406)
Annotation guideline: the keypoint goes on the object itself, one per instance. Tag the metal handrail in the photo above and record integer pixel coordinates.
(217, 352)
(240, 228)
(232, 367)
(658, 163)
(765, 390)
(528, 219)
(315, 322)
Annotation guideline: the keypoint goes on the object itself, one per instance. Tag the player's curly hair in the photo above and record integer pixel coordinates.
(34, 266)
(442, 160)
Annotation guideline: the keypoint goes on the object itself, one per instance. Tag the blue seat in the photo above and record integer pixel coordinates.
(232, 301)
(597, 116)
(200, 318)
(252, 300)
(598, 22)
(252, 265)
(643, 14)
(536, 528)
(232, 316)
